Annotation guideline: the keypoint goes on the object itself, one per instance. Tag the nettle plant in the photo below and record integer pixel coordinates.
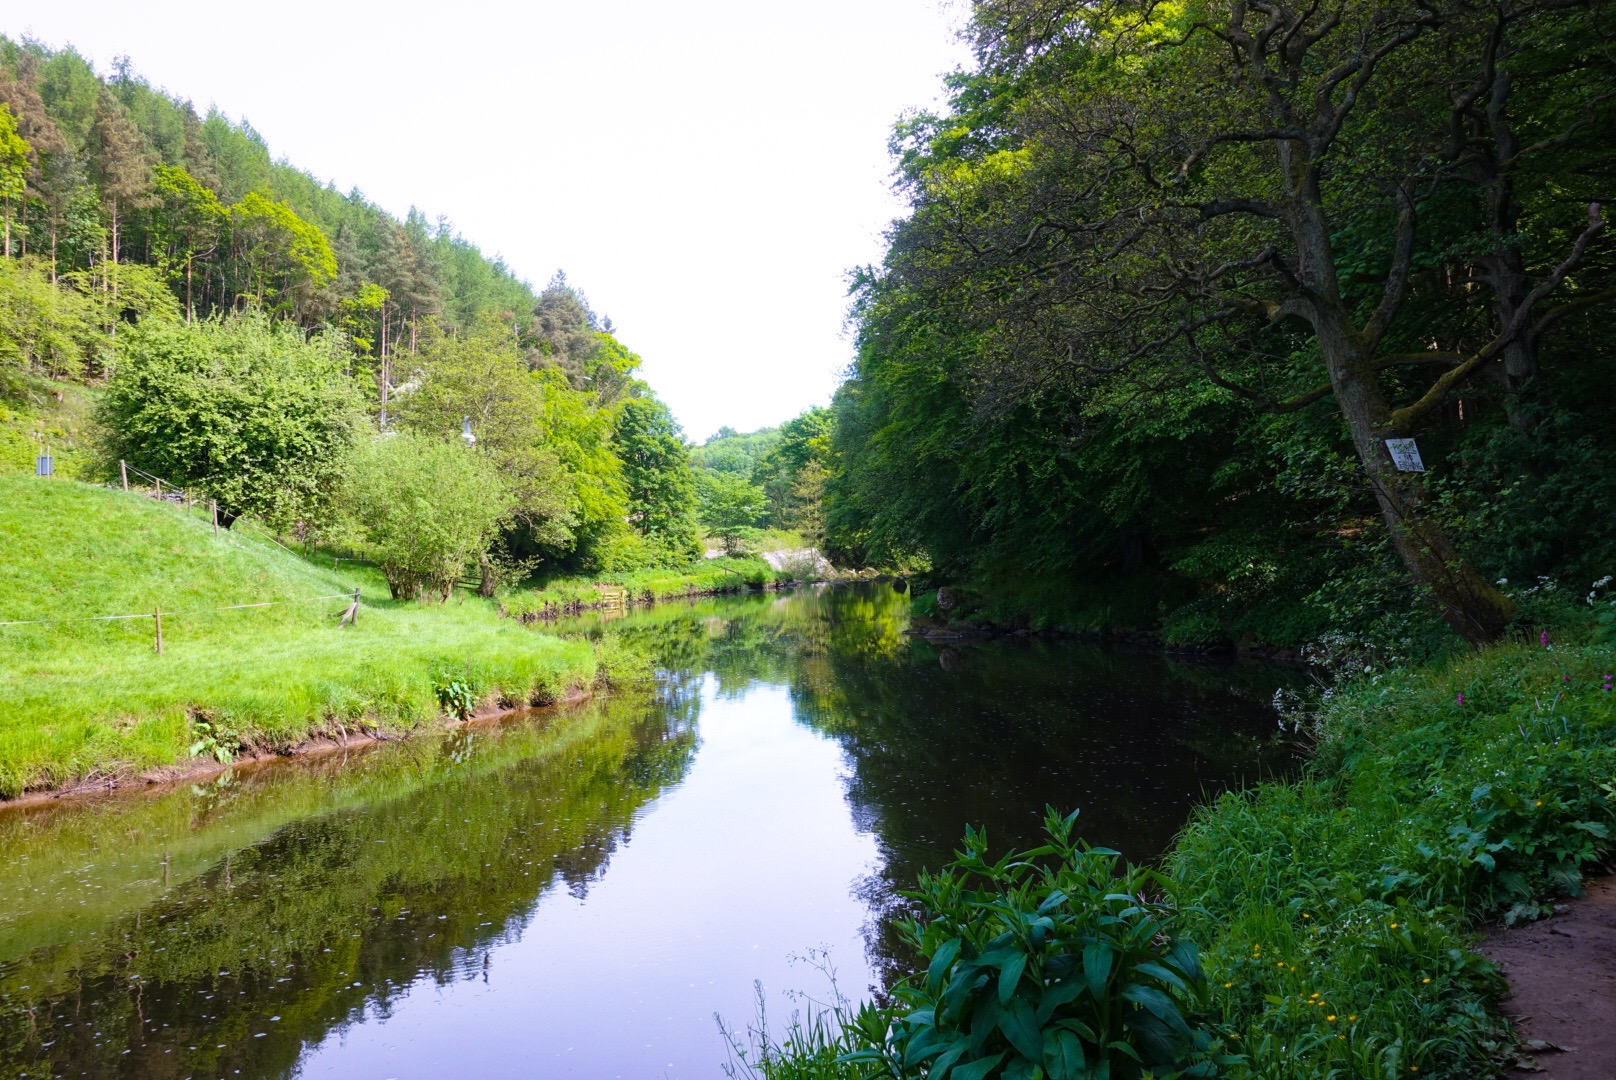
(1048, 965)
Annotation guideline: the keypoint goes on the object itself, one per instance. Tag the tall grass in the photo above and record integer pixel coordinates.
(87, 698)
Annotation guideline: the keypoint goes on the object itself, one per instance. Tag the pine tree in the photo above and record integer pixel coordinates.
(121, 164)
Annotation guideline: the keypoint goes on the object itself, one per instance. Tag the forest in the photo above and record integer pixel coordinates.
(1173, 276)
(242, 329)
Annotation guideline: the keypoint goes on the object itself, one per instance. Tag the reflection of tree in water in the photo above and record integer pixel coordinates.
(334, 916)
(988, 733)
(980, 732)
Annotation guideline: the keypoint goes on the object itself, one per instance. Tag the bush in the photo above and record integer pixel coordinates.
(248, 410)
(426, 508)
(1048, 963)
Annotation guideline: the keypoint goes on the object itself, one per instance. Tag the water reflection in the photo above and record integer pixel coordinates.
(577, 894)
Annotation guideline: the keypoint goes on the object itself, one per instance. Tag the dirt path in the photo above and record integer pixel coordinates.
(1562, 978)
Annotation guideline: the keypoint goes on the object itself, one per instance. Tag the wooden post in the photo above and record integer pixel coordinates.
(157, 616)
(351, 616)
(215, 519)
(123, 472)
(159, 487)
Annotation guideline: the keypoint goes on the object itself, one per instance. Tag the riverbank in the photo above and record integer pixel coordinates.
(1335, 915)
(253, 658)
(575, 595)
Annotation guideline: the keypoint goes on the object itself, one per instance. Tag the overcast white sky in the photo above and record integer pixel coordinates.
(706, 172)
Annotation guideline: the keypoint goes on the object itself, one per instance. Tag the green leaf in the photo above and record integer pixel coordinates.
(1021, 1028)
(1155, 970)
(940, 962)
(977, 1069)
(1010, 976)
(1063, 1055)
(1097, 960)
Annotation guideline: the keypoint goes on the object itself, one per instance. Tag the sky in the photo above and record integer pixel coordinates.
(706, 172)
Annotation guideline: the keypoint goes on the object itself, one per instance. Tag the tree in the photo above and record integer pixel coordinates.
(482, 378)
(729, 507)
(188, 221)
(283, 258)
(248, 410)
(14, 154)
(656, 472)
(427, 508)
(1140, 197)
(121, 164)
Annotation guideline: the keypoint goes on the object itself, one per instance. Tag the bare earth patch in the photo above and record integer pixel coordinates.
(1562, 978)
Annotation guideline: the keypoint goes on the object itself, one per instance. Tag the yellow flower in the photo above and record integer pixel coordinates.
(1227, 985)
(1394, 926)
(1540, 802)
(1354, 1016)
(1425, 980)
(1305, 915)
(1331, 1017)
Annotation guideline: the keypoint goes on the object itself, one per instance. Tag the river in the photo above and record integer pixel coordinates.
(577, 892)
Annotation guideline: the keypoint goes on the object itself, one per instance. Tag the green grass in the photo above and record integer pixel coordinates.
(1421, 817)
(562, 595)
(88, 698)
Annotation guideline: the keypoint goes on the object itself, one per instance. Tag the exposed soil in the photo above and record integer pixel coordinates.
(1562, 979)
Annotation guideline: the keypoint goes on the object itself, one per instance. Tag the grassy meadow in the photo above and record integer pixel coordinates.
(88, 698)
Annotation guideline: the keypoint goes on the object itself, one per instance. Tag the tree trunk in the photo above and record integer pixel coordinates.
(384, 374)
(1470, 604)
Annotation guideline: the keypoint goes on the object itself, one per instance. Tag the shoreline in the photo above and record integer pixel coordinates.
(163, 778)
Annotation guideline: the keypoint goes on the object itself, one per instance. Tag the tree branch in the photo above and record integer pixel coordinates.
(1403, 420)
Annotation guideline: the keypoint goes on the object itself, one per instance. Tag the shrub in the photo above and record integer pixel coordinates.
(427, 508)
(248, 410)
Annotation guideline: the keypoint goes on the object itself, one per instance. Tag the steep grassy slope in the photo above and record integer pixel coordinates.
(87, 697)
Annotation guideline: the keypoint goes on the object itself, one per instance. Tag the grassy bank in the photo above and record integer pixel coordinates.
(89, 698)
(713, 577)
(1333, 914)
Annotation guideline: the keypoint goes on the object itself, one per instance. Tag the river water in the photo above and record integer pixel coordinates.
(579, 891)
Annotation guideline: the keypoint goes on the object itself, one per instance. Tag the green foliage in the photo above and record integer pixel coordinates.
(249, 411)
(481, 376)
(656, 473)
(455, 695)
(425, 509)
(1047, 963)
(44, 329)
(729, 507)
(1336, 910)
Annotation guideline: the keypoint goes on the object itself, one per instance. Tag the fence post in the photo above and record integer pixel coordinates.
(159, 487)
(157, 616)
(215, 518)
(123, 473)
(351, 616)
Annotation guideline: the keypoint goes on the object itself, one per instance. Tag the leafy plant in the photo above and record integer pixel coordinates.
(215, 737)
(455, 695)
(1047, 963)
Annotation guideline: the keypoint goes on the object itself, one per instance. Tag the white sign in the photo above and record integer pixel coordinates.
(1405, 455)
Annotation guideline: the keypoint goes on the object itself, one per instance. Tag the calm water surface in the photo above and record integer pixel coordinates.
(577, 893)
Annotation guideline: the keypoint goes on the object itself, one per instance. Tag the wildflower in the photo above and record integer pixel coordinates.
(1331, 1017)
(1540, 802)
(1394, 926)
(1426, 980)
(1354, 1016)
(1226, 986)
(1544, 637)
(1460, 698)
(1305, 915)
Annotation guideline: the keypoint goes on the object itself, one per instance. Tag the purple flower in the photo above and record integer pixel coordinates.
(1460, 697)
(1544, 637)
